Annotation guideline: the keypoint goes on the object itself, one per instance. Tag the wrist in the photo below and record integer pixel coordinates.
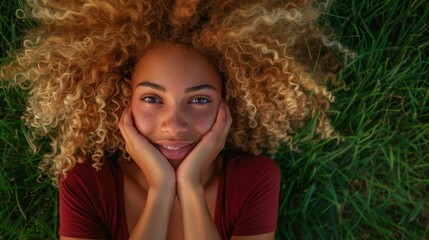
(189, 187)
(161, 180)
(164, 185)
(187, 178)
(162, 194)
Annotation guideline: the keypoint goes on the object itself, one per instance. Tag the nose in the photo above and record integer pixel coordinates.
(174, 121)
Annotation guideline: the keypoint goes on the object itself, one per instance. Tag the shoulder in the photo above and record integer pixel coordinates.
(88, 200)
(252, 187)
(250, 165)
(86, 179)
(80, 170)
(249, 172)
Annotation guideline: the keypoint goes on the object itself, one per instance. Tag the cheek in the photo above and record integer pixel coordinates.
(144, 122)
(203, 121)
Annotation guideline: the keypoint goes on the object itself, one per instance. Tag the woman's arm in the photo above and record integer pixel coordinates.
(161, 177)
(197, 221)
(153, 221)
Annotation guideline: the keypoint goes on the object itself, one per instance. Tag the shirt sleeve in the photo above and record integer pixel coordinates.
(259, 191)
(78, 205)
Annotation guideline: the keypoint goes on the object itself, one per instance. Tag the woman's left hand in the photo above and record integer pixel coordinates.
(206, 151)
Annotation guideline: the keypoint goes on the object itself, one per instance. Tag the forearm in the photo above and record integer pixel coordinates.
(153, 222)
(197, 221)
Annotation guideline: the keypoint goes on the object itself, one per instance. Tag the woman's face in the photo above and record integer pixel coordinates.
(175, 99)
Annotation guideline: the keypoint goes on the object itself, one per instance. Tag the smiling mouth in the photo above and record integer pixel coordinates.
(171, 148)
(175, 151)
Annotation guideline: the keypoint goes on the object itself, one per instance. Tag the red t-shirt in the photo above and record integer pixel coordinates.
(92, 202)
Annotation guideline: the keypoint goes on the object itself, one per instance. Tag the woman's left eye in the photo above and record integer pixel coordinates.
(199, 100)
(151, 100)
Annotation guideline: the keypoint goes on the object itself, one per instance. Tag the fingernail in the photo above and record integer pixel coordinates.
(222, 104)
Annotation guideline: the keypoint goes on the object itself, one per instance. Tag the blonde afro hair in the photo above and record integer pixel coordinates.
(273, 56)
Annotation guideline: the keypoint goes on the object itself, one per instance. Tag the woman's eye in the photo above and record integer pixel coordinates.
(151, 100)
(200, 100)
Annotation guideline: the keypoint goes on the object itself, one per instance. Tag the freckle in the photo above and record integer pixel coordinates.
(147, 115)
(146, 119)
(203, 119)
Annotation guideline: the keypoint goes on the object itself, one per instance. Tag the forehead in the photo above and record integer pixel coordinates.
(171, 63)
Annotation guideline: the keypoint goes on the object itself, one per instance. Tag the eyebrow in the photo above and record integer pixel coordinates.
(151, 85)
(188, 90)
(200, 87)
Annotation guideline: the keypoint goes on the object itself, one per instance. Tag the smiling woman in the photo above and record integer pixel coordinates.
(176, 95)
(158, 111)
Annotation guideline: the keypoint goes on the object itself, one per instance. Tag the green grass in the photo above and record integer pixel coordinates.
(372, 185)
(28, 203)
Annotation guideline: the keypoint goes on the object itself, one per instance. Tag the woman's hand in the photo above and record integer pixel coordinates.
(206, 151)
(190, 189)
(161, 178)
(158, 171)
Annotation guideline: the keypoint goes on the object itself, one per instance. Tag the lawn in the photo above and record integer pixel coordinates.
(373, 184)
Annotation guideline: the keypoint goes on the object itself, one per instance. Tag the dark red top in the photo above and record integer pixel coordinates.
(92, 202)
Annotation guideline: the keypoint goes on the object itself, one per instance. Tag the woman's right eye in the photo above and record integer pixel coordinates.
(151, 99)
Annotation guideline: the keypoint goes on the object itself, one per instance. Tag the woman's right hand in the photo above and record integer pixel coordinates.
(161, 179)
(156, 168)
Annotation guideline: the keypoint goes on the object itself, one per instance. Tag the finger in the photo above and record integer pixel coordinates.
(220, 119)
(224, 120)
(126, 126)
(215, 138)
(121, 123)
(228, 120)
(128, 122)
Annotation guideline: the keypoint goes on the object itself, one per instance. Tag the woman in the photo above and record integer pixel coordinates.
(158, 111)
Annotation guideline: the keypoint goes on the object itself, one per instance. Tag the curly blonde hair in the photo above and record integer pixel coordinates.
(274, 58)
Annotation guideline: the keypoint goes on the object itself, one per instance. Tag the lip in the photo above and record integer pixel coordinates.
(174, 144)
(175, 150)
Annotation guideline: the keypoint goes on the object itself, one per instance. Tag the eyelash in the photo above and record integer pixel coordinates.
(151, 99)
(198, 99)
(156, 100)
